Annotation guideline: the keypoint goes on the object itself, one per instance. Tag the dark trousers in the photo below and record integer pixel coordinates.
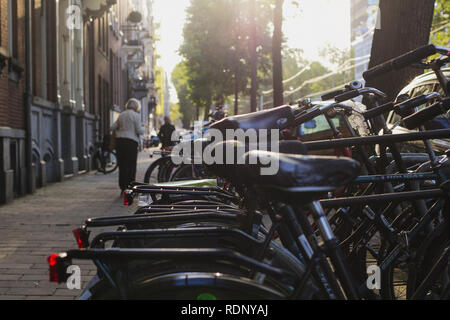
(127, 151)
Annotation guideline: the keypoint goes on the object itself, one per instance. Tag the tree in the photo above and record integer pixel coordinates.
(277, 41)
(252, 47)
(405, 25)
(206, 49)
(341, 59)
(180, 82)
(239, 53)
(297, 73)
(218, 37)
(440, 31)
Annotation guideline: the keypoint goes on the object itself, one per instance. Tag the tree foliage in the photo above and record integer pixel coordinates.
(440, 31)
(180, 82)
(216, 47)
(294, 63)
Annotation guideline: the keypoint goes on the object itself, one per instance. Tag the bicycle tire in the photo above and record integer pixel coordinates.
(166, 268)
(183, 172)
(153, 166)
(432, 254)
(180, 286)
(101, 165)
(396, 269)
(166, 170)
(116, 164)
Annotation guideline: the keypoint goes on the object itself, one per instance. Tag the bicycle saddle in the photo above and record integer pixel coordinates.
(297, 174)
(276, 118)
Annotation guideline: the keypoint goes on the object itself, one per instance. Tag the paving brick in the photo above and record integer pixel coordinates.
(19, 284)
(15, 266)
(34, 277)
(31, 291)
(58, 298)
(12, 297)
(22, 271)
(9, 277)
(67, 292)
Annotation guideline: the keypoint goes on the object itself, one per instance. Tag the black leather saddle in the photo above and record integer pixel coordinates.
(276, 118)
(298, 177)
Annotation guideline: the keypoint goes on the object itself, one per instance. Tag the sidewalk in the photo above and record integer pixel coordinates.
(35, 226)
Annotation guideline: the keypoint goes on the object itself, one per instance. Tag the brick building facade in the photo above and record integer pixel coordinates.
(12, 88)
(77, 84)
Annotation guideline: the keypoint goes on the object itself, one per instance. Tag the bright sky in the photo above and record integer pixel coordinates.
(308, 27)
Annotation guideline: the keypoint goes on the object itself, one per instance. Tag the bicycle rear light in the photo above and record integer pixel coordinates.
(128, 197)
(57, 268)
(81, 235)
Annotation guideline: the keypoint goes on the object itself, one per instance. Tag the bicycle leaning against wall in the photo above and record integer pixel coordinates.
(105, 159)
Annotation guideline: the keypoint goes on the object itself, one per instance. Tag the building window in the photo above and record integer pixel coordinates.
(99, 32)
(1, 28)
(12, 28)
(103, 34)
(106, 48)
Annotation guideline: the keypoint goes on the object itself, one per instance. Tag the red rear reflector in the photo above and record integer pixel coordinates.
(127, 197)
(58, 264)
(81, 236)
(53, 268)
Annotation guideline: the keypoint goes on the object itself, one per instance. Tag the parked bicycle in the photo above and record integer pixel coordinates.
(105, 160)
(310, 231)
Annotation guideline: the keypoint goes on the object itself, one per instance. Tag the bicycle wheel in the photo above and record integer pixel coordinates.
(165, 170)
(106, 161)
(156, 165)
(111, 162)
(138, 274)
(276, 256)
(184, 172)
(397, 280)
(185, 286)
(189, 172)
(437, 257)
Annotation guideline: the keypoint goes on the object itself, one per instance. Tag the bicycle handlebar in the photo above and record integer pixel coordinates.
(308, 115)
(375, 112)
(402, 61)
(358, 92)
(403, 109)
(332, 95)
(422, 116)
(347, 96)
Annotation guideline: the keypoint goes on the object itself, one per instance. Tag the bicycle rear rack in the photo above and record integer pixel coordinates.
(59, 263)
(227, 235)
(154, 191)
(151, 219)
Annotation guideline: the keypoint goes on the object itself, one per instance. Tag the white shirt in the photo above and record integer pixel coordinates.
(128, 125)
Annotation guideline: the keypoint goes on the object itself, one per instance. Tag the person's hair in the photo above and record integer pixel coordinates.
(133, 104)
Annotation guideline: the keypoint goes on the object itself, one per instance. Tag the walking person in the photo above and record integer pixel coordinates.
(165, 133)
(128, 129)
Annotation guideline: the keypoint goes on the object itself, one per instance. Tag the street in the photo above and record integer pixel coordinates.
(35, 226)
